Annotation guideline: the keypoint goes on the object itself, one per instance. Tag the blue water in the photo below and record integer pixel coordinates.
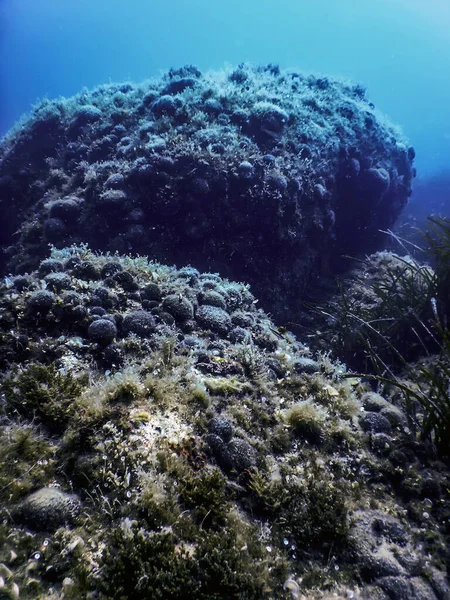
(400, 49)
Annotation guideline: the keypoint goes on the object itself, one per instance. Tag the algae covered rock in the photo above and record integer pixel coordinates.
(139, 322)
(214, 454)
(267, 176)
(180, 308)
(41, 301)
(214, 318)
(49, 508)
(388, 558)
(102, 331)
(221, 427)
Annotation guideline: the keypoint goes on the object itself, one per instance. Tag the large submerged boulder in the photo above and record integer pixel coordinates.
(266, 176)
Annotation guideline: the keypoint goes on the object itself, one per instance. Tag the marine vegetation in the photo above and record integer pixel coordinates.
(179, 458)
(392, 323)
(162, 435)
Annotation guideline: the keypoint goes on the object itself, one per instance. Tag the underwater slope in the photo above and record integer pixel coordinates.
(266, 176)
(160, 438)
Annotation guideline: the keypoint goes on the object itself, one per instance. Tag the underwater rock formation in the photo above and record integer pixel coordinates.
(266, 176)
(160, 436)
(147, 446)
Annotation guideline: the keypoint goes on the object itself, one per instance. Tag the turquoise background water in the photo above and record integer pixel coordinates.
(400, 49)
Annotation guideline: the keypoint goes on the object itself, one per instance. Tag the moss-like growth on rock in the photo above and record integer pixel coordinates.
(311, 511)
(136, 564)
(43, 391)
(308, 421)
(205, 494)
(28, 461)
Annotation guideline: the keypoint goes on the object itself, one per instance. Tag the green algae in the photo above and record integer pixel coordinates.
(43, 391)
(137, 564)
